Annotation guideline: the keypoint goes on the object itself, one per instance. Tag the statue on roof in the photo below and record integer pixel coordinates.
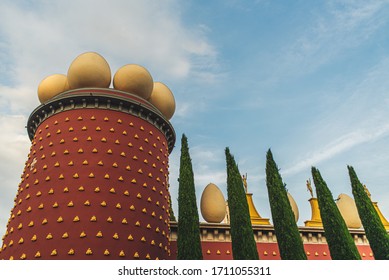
(244, 179)
(309, 187)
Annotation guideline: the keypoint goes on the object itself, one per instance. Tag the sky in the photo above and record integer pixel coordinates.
(307, 79)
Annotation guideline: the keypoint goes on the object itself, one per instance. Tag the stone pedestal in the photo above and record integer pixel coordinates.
(315, 220)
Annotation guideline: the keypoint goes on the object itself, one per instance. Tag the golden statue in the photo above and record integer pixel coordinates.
(244, 178)
(309, 187)
(367, 191)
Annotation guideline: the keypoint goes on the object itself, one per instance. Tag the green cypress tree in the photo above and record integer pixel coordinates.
(374, 229)
(340, 242)
(188, 228)
(244, 246)
(171, 212)
(289, 241)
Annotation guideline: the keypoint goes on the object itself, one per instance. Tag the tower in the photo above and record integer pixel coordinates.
(95, 184)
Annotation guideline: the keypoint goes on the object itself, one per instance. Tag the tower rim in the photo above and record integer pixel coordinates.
(101, 98)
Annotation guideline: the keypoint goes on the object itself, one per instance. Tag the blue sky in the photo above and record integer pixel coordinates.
(308, 79)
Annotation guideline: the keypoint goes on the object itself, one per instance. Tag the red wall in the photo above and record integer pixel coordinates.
(92, 163)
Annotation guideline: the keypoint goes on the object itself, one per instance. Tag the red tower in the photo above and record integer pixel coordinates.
(95, 185)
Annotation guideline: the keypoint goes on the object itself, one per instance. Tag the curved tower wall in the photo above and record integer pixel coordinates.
(95, 185)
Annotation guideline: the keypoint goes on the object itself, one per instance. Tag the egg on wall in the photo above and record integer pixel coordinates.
(349, 211)
(134, 79)
(51, 86)
(89, 69)
(294, 206)
(163, 98)
(212, 204)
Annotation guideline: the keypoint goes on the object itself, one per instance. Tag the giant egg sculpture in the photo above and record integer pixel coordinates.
(51, 86)
(89, 70)
(349, 211)
(294, 206)
(134, 79)
(163, 98)
(212, 204)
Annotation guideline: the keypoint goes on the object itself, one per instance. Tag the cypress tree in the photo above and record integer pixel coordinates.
(374, 229)
(171, 212)
(244, 246)
(188, 228)
(289, 241)
(339, 239)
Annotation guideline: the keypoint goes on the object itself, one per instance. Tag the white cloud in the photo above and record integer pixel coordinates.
(340, 145)
(336, 28)
(145, 32)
